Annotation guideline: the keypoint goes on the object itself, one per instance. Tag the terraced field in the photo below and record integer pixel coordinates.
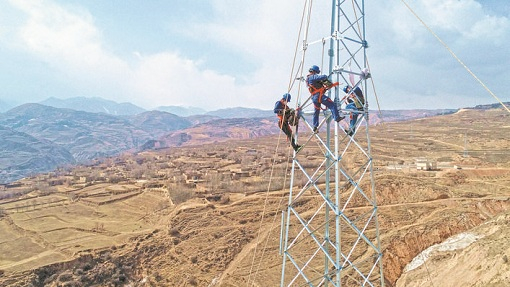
(219, 225)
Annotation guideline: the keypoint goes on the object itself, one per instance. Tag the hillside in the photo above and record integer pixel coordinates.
(20, 152)
(478, 257)
(82, 135)
(90, 128)
(208, 215)
(220, 130)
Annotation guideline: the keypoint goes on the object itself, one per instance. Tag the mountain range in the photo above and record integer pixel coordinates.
(204, 215)
(39, 138)
(94, 105)
(99, 105)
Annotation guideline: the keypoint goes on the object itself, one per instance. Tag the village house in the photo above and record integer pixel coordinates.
(425, 164)
(192, 177)
(236, 175)
(162, 174)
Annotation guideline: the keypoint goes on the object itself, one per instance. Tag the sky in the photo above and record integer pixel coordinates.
(216, 54)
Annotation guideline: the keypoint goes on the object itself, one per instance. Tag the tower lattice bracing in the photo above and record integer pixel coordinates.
(330, 232)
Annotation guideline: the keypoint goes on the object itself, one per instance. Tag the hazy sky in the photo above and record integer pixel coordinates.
(227, 53)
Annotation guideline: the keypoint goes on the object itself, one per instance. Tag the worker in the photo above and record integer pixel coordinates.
(318, 85)
(287, 117)
(355, 102)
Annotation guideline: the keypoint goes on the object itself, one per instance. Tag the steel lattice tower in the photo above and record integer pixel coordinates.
(330, 233)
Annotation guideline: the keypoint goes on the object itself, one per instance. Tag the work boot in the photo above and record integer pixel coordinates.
(297, 148)
(339, 118)
(315, 130)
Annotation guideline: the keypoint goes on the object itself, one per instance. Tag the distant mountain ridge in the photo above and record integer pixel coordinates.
(22, 154)
(182, 111)
(100, 105)
(85, 135)
(490, 106)
(94, 105)
(405, 115)
(39, 138)
(158, 122)
(79, 136)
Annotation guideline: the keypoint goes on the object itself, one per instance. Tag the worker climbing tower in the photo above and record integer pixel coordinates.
(330, 231)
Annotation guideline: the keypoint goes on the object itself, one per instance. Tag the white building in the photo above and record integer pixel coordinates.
(425, 164)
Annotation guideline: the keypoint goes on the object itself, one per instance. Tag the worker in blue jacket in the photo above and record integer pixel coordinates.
(286, 118)
(318, 85)
(355, 103)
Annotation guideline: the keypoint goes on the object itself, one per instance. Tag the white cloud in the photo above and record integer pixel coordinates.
(68, 40)
(60, 36)
(491, 28)
(168, 79)
(465, 19)
(410, 68)
(267, 32)
(408, 60)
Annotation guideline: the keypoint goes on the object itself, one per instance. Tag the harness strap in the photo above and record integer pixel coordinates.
(322, 90)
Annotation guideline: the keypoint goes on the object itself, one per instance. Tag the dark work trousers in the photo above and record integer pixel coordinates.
(285, 127)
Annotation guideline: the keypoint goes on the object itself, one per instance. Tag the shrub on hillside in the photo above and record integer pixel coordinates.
(181, 195)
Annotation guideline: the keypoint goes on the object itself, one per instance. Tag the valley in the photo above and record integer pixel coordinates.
(207, 213)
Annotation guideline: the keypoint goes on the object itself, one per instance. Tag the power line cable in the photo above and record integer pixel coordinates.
(455, 56)
(291, 81)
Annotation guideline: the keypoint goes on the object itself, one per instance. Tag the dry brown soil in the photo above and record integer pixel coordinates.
(143, 232)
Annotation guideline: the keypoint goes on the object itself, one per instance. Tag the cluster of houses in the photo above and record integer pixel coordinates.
(195, 169)
(204, 171)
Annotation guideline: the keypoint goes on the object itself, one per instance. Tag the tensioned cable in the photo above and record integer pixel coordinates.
(455, 56)
(291, 82)
(272, 167)
(469, 71)
(263, 216)
(368, 65)
(287, 166)
(292, 78)
(380, 113)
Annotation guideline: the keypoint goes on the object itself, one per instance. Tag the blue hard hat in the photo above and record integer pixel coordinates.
(286, 97)
(315, 69)
(346, 87)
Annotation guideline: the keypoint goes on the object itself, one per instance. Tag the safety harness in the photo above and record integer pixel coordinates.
(356, 96)
(320, 87)
(291, 116)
